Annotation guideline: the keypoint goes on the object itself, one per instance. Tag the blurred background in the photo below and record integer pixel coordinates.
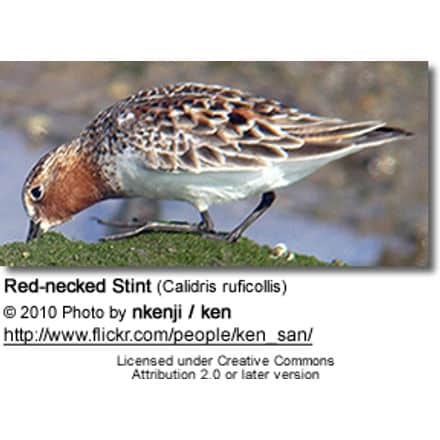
(370, 209)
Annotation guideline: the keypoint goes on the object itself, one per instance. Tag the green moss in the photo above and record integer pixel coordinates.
(154, 249)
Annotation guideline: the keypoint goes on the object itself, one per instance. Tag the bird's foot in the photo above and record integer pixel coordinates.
(115, 224)
(155, 227)
(203, 229)
(136, 223)
(172, 227)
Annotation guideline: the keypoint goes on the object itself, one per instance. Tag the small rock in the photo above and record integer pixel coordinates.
(279, 250)
(290, 256)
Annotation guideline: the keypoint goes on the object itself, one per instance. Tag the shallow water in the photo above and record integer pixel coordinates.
(300, 233)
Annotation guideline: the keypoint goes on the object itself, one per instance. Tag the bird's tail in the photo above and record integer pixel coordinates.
(379, 135)
(333, 137)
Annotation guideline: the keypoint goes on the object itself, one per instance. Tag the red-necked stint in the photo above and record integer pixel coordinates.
(203, 144)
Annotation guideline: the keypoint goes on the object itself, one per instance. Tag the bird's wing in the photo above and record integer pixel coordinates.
(195, 128)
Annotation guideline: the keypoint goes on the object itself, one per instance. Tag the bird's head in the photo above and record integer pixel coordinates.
(62, 183)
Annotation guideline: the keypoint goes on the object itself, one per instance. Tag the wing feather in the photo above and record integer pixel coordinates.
(195, 127)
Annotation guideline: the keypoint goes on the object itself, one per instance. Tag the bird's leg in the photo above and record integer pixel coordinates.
(115, 224)
(206, 225)
(204, 228)
(266, 201)
(135, 223)
(156, 227)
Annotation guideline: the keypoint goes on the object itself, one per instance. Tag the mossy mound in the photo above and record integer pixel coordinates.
(153, 249)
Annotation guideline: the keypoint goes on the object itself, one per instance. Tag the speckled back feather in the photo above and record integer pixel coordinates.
(196, 127)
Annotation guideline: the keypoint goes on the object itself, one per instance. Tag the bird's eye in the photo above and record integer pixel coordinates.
(36, 193)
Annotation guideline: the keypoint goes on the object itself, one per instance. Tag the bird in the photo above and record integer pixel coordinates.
(194, 142)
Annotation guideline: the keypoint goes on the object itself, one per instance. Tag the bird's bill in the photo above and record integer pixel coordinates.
(34, 230)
